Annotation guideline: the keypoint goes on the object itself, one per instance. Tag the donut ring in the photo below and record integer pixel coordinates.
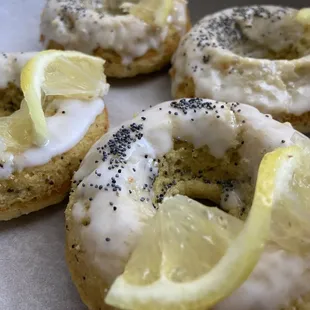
(129, 171)
(258, 55)
(129, 46)
(39, 177)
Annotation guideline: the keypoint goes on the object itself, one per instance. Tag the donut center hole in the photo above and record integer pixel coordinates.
(195, 173)
(10, 100)
(281, 40)
(206, 202)
(12, 96)
(260, 51)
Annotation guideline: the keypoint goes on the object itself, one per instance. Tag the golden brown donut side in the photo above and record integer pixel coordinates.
(38, 187)
(186, 89)
(89, 284)
(153, 60)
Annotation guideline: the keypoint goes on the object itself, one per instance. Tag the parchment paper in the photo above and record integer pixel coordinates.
(33, 273)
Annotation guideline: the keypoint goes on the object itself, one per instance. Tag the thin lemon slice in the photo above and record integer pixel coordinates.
(153, 12)
(59, 73)
(291, 216)
(16, 130)
(161, 275)
(198, 227)
(303, 16)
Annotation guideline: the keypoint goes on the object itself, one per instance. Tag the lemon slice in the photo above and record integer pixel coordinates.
(59, 73)
(16, 130)
(191, 256)
(291, 216)
(303, 16)
(153, 12)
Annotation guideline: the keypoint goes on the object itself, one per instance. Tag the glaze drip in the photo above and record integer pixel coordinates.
(258, 55)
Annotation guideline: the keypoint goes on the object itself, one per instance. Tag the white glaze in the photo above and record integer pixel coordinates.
(124, 225)
(95, 27)
(234, 72)
(65, 131)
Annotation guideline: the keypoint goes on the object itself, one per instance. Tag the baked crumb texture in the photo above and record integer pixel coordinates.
(120, 180)
(35, 188)
(70, 15)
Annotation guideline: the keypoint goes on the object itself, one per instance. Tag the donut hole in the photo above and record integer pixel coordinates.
(266, 39)
(287, 52)
(219, 182)
(207, 202)
(12, 96)
(10, 100)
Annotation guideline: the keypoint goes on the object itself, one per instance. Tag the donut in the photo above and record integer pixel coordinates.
(196, 147)
(257, 55)
(41, 176)
(129, 45)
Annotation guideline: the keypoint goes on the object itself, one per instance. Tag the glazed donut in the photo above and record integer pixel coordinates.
(258, 55)
(129, 45)
(41, 176)
(196, 147)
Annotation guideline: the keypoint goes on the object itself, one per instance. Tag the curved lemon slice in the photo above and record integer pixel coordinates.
(153, 12)
(59, 73)
(303, 16)
(191, 256)
(291, 216)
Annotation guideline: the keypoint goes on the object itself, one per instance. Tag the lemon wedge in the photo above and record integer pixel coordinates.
(16, 130)
(192, 256)
(291, 215)
(59, 73)
(153, 12)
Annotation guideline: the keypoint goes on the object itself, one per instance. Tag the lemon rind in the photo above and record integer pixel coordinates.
(227, 275)
(32, 78)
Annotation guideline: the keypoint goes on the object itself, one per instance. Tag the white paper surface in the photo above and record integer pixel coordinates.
(33, 273)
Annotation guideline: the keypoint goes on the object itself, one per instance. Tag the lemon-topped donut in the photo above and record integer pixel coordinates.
(133, 37)
(184, 255)
(258, 55)
(51, 112)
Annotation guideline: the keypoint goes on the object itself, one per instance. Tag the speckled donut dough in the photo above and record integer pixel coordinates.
(41, 176)
(129, 46)
(257, 55)
(126, 174)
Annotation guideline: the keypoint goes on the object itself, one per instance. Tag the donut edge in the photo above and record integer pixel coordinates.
(57, 191)
(186, 89)
(90, 285)
(151, 61)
